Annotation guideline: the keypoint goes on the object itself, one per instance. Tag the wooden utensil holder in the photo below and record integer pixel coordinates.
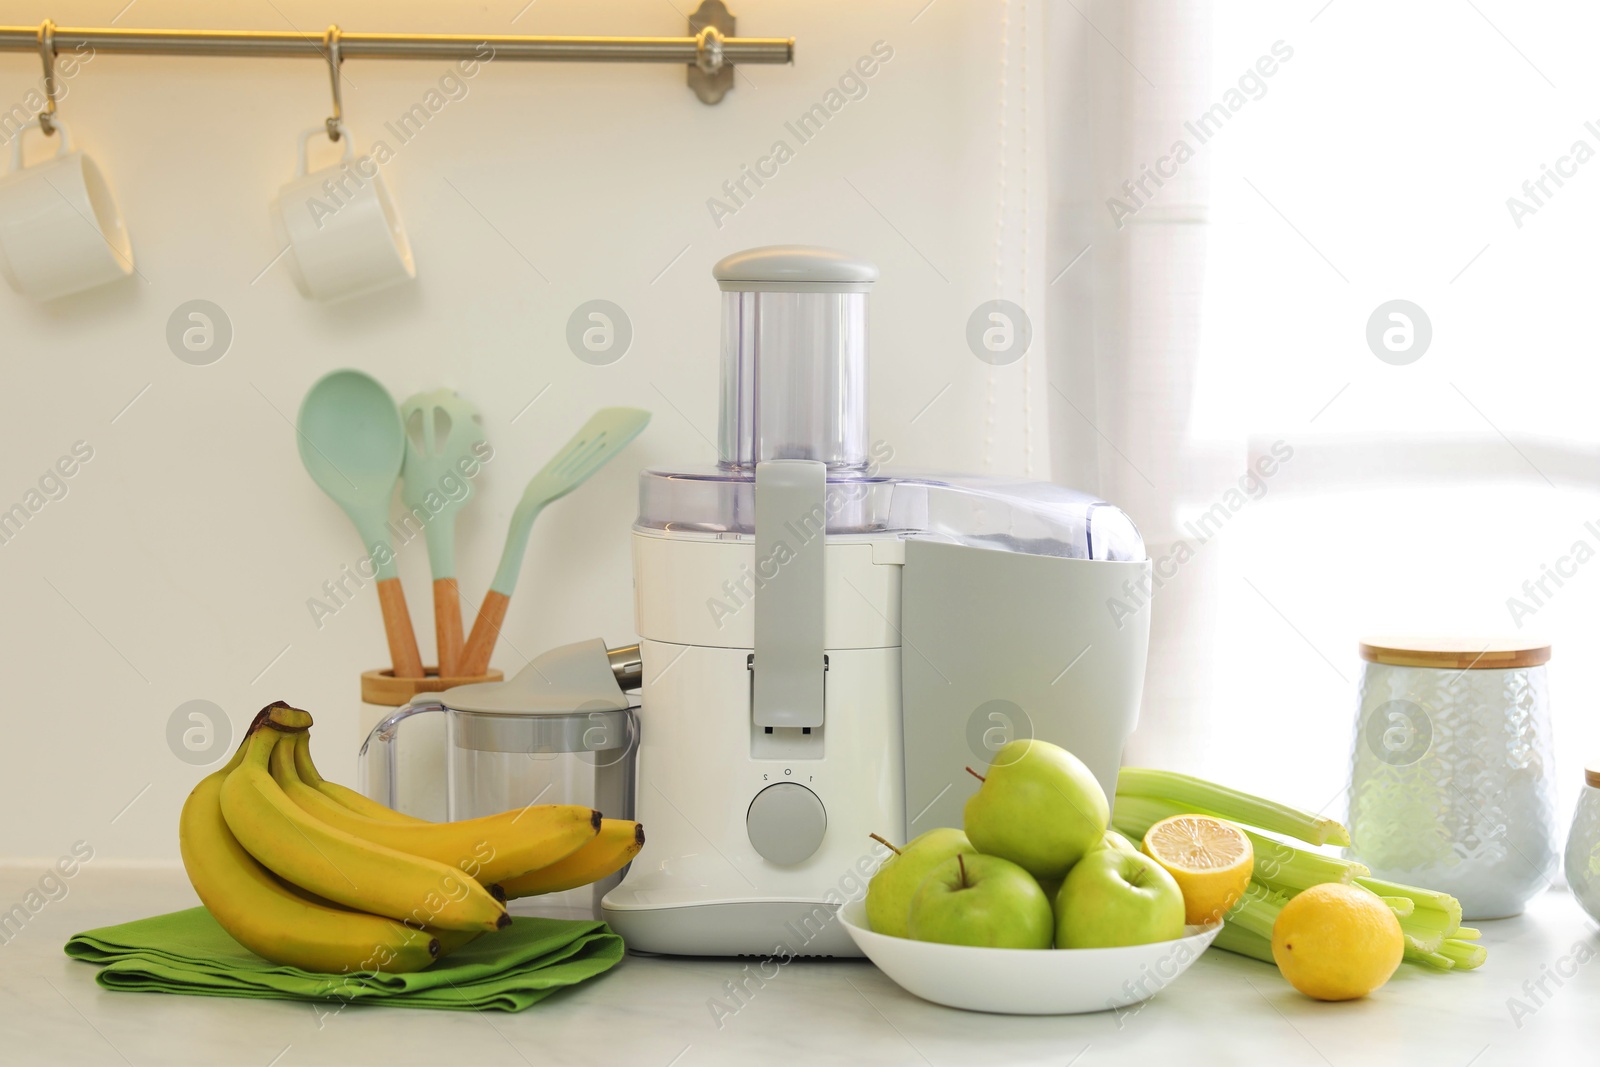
(382, 687)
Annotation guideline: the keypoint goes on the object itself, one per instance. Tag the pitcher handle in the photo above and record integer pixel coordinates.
(376, 766)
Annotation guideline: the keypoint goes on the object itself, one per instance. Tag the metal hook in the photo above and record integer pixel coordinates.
(47, 52)
(708, 49)
(330, 43)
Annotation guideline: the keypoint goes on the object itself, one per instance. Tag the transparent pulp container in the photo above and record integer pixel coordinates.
(508, 745)
(578, 757)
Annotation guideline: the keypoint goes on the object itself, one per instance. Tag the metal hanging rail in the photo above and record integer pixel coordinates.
(710, 51)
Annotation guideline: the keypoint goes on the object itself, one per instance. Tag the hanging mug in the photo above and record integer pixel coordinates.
(60, 230)
(343, 233)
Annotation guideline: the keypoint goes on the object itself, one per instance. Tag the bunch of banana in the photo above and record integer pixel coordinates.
(307, 873)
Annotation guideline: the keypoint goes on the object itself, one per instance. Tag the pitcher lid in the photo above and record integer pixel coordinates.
(574, 679)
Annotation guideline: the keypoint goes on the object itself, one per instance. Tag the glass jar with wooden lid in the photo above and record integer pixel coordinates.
(1451, 765)
(1583, 845)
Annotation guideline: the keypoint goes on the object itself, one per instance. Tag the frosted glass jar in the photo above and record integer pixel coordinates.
(1450, 783)
(1583, 845)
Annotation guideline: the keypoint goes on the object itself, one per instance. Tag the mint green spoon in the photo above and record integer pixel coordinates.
(606, 433)
(352, 444)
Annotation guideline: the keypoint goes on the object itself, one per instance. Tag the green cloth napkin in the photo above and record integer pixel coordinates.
(187, 952)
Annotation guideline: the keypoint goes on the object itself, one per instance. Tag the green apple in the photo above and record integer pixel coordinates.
(1112, 839)
(1116, 840)
(983, 901)
(895, 883)
(1114, 898)
(1038, 807)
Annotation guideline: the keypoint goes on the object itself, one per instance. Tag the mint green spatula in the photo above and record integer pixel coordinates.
(605, 434)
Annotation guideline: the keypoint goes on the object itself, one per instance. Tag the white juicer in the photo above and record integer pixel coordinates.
(826, 647)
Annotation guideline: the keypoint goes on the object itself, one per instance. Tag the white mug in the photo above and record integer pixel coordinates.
(60, 230)
(341, 227)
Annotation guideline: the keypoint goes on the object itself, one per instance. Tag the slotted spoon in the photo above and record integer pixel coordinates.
(443, 434)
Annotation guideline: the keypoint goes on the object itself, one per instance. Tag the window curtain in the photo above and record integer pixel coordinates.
(1126, 267)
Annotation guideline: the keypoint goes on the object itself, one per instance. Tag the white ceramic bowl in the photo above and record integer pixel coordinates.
(1014, 981)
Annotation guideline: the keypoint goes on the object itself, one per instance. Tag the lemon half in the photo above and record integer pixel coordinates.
(1211, 860)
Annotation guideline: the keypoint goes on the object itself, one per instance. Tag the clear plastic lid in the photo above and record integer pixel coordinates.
(794, 356)
(1037, 518)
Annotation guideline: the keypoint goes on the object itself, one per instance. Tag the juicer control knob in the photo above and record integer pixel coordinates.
(786, 823)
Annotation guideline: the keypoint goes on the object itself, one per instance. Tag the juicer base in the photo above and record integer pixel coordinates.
(780, 930)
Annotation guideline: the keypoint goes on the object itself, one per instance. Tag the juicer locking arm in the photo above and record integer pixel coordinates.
(791, 523)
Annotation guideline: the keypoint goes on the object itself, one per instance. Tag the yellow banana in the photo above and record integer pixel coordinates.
(356, 802)
(488, 849)
(276, 922)
(617, 843)
(449, 940)
(331, 863)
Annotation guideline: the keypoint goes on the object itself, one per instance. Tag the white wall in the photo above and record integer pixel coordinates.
(179, 564)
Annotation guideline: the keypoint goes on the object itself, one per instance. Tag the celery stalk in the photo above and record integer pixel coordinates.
(1208, 798)
(1427, 927)
(1428, 901)
(1464, 954)
(1432, 920)
(1466, 933)
(1429, 959)
(1245, 942)
(1421, 943)
(1256, 910)
(1401, 906)
(1133, 816)
(1289, 870)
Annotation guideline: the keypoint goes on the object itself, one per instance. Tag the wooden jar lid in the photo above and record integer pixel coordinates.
(1591, 775)
(382, 687)
(1454, 653)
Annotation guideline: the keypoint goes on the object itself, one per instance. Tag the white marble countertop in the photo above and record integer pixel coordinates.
(655, 1012)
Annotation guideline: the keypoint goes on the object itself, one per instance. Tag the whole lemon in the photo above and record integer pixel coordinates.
(1337, 942)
